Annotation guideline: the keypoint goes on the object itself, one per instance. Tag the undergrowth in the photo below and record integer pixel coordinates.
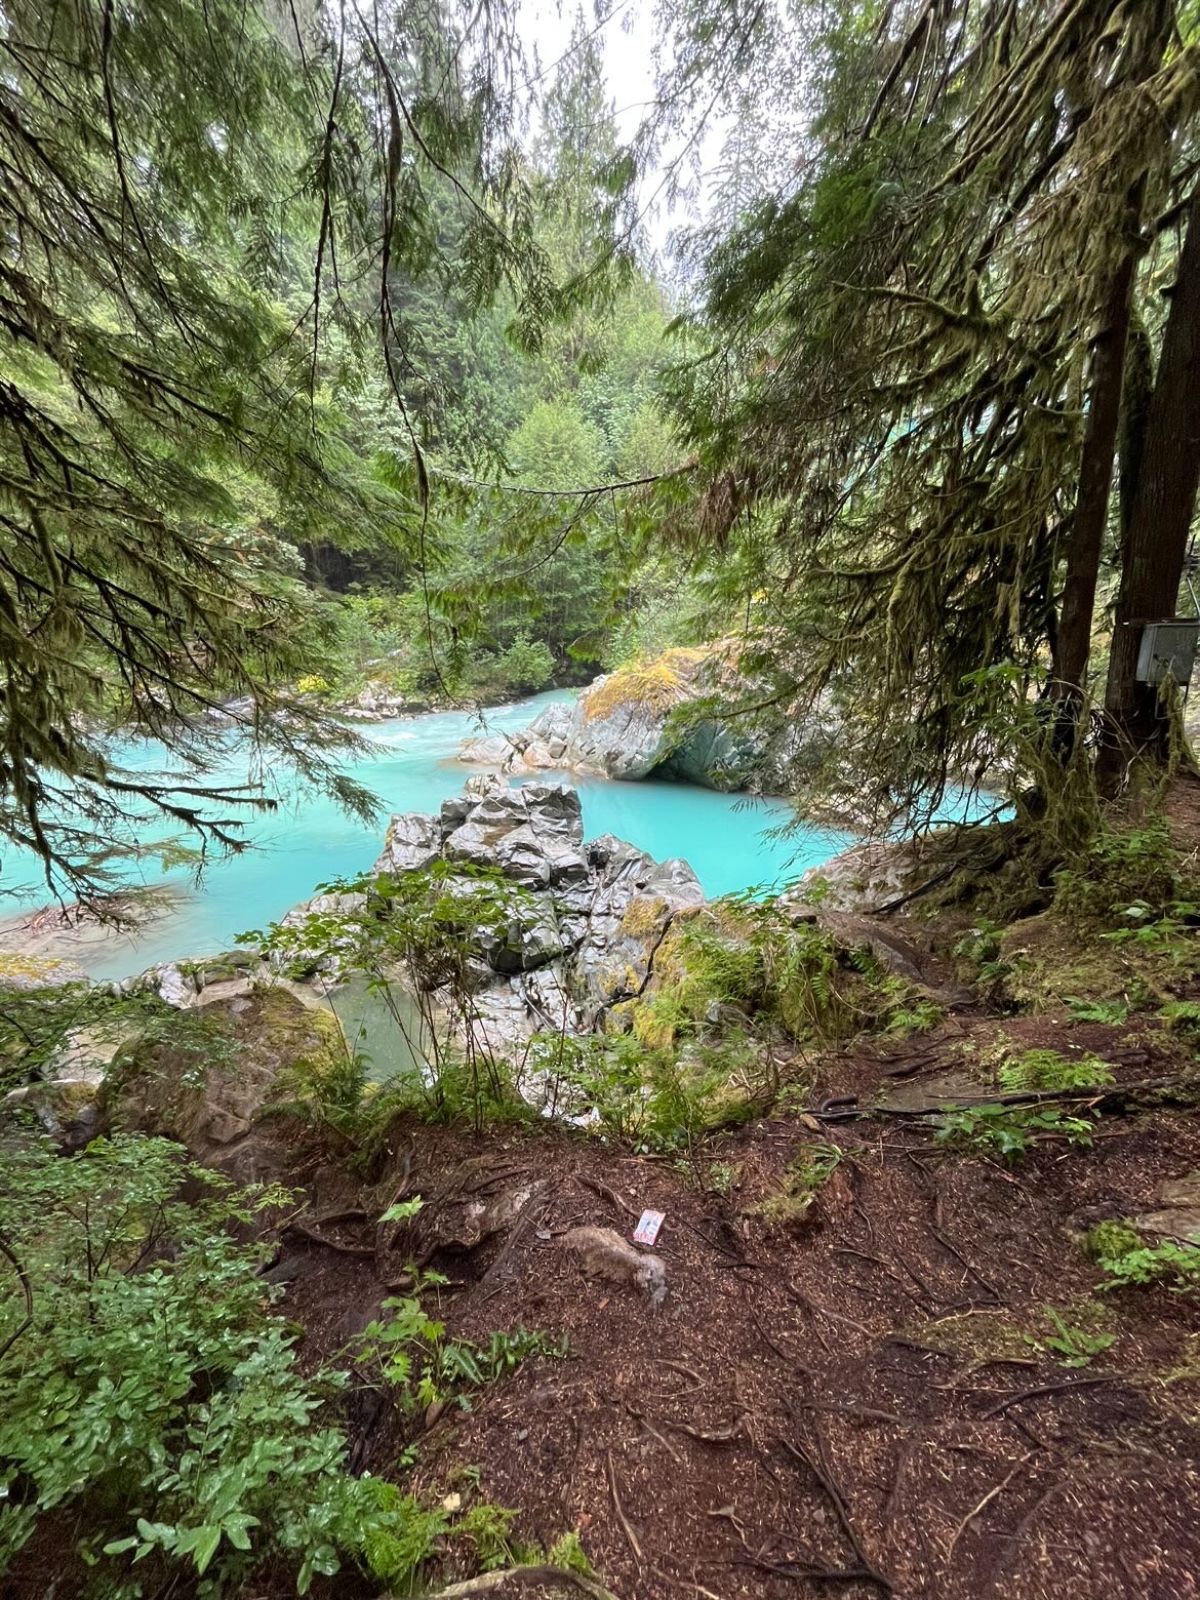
(1050, 1071)
(804, 1179)
(1128, 1260)
(151, 1407)
(1008, 1132)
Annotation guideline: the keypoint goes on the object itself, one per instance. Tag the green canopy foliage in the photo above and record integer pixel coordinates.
(893, 416)
(204, 213)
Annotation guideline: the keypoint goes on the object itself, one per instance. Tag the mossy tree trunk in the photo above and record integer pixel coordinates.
(1161, 509)
(1086, 540)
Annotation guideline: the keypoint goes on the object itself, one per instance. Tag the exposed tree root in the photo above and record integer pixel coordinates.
(521, 1578)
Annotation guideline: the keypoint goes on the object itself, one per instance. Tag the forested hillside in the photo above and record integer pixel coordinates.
(409, 1186)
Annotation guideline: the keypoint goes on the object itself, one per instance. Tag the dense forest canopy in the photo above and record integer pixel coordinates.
(813, 385)
(336, 338)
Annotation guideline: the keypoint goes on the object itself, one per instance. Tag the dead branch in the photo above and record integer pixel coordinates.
(605, 1193)
(521, 1578)
(626, 1526)
(718, 1436)
(1181, 1090)
(818, 1463)
(992, 1493)
(640, 1416)
(362, 1251)
(26, 1290)
(1066, 1387)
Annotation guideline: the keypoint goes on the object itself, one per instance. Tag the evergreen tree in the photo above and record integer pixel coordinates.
(918, 359)
(201, 215)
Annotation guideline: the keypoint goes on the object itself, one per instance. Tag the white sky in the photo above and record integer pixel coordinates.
(628, 38)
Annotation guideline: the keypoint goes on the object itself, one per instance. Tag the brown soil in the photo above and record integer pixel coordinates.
(845, 1405)
(848, 1405)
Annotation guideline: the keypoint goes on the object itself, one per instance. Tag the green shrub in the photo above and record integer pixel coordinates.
(1049, 1071)
(153, 1394)
(1117, 869)
(411, 1354)
(1129, 1261)
(1007, 1131)
(526, 666)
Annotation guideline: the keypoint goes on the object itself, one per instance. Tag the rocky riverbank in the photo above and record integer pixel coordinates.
(677, 717)
(584, 919)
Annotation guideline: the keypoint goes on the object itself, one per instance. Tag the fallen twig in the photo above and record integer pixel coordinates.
(605, 1193)
(362, 1251)
(814, 1309)
(626, 1526)
(998, 1489)
(640, 1416)
(1182, 1089)
(1066, 1387)
(819, 1465)
(522, 1577)
(789, 1361)
(818, 1574)
(862, 1255)
(677, 1366)
(868, 1413)
(966, 1265)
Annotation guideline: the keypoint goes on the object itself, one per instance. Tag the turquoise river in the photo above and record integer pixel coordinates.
(731, 842)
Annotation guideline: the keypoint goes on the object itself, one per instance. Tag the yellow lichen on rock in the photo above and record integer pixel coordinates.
(656, 685)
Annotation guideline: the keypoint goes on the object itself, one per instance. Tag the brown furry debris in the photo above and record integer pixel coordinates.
(606, 1255)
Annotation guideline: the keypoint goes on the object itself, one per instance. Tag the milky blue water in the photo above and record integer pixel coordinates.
(727, 839)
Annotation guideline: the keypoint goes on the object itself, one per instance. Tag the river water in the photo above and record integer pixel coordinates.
(730, 841)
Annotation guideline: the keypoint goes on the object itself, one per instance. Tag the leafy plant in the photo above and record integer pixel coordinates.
(1007, 1131)
(1118, 870)
(527, 665)
(1109, 1011)
(805, 1177)
(1051, 1071)
(721, 1177)
(1168, 934)
(416, 938)
(1182, 1015)
(147, 1387)
(1129, 1261)
(1072, 1347)
(980, 947)
(412, 1355)
(904, 1010)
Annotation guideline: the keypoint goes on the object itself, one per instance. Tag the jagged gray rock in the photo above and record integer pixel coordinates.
(585, 920)
(413, 840)
(628, 725)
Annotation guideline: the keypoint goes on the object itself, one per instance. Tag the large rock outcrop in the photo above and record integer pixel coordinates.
(258, 1050)
(585, 919)
(659, 718)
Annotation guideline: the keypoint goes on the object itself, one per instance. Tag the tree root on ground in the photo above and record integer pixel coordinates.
(522, 1577)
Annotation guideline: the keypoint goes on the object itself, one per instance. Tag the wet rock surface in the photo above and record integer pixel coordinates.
(585, 918)
(662, 718)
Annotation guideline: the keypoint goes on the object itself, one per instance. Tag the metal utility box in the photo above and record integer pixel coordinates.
(1168, 650)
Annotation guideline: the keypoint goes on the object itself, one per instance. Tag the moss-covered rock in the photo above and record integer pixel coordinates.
(662, 715)
(207, 1076)
(25, 973)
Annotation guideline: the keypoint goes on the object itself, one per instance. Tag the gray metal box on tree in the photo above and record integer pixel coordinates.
(1168, 650)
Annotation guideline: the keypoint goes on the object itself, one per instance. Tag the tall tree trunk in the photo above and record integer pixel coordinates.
(1161, 511)
(1096, 469)
(1150, 37)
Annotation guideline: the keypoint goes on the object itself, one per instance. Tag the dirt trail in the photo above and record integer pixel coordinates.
(849, 1405)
